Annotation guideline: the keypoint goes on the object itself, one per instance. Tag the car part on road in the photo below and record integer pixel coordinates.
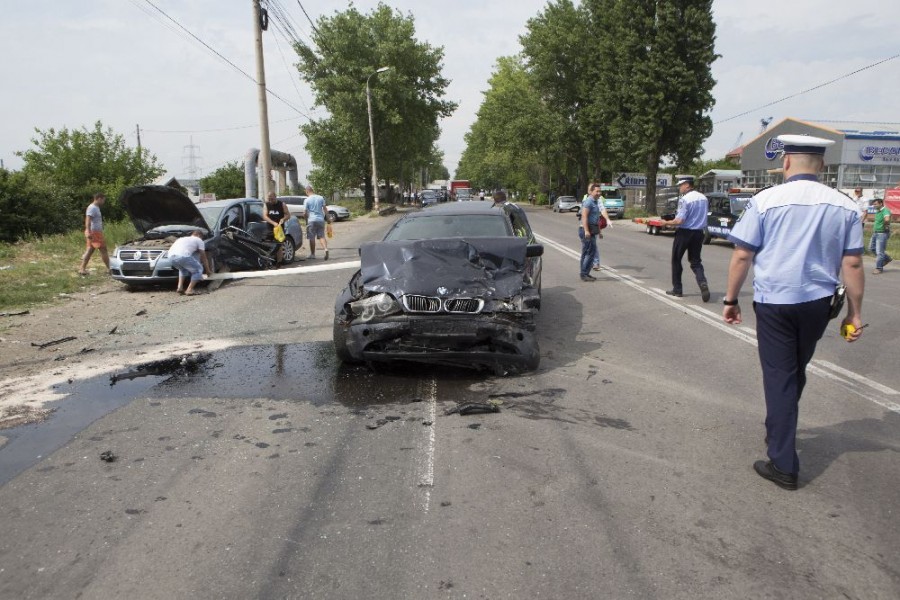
(188, 363)
(473, 408)
(54, 342)
(108, 456)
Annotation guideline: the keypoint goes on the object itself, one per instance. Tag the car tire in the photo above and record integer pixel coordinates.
(332, 216)
(649, 230)
(339, 337)
(706, 238)
(290, 250)
(534, 358)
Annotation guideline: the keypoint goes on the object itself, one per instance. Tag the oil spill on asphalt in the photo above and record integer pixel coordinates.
(307, 372)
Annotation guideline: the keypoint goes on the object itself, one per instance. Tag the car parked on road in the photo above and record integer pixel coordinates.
(297, 206)
(613, 200)
(234, 234)
(724, 212)
(566, 204)
(457, 284)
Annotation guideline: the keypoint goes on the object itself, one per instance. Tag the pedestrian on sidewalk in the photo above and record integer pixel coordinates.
(188, 255)
(315, 221)
(93, 234)
(690, 220)
(802, 238)
(881, 232)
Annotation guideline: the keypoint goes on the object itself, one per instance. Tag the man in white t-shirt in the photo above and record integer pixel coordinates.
(186, 255)
(861, 202)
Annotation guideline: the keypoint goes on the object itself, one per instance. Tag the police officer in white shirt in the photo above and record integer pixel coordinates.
(693, 209)
(800, 237)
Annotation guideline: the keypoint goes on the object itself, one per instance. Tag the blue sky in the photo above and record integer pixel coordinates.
(68, 64)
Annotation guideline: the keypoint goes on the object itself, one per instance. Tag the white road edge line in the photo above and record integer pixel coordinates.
(426, 479)
(847, 379)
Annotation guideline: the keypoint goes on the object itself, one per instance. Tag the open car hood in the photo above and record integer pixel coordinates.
(451, 267)
(151, 206)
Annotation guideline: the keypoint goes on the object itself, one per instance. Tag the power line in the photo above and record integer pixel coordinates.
(213, 130)
(217, 53)
(816, 87)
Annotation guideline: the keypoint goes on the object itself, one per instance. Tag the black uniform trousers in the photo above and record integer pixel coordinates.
(690, 241)
(787, 335)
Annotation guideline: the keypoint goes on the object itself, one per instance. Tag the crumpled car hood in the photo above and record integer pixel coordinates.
(151, 206)
(451, 267)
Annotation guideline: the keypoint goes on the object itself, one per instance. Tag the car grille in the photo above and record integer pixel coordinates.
(140, 254)
(430, 304)
(464, 305)
(425, 304)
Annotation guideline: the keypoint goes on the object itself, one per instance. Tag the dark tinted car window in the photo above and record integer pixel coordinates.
(443, 226)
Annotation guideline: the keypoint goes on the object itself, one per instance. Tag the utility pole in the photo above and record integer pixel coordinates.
(260, 22)
(139, 141)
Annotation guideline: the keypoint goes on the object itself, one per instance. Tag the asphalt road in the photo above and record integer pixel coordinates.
(621, 468)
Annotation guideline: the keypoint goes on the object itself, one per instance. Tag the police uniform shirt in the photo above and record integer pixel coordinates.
(692, 210)
(795, 230)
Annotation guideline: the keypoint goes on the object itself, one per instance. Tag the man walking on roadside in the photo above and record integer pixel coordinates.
(93, 234)
(690, 221)
(801, 237)
(315, 221)
(588, 230)
(881, 231)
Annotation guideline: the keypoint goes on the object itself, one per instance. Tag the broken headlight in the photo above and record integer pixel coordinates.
(379, 305)
(514, 304)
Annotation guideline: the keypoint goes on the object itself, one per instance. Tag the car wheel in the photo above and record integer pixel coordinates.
(339, 337)
(332, 216)
(655, 230)
(289, 250)
(706, 238)
(534, 358)
(216, 268)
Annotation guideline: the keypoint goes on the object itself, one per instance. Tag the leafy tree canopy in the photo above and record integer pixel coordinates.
(225, 182)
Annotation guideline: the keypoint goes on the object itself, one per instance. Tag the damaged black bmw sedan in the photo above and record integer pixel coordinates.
(457, 284)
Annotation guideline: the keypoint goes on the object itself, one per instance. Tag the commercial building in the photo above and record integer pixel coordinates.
(865, 155)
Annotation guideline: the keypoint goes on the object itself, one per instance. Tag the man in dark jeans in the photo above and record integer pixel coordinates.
(691, 221)
(588, 230)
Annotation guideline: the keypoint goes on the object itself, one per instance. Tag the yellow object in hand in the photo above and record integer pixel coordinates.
(847, 330)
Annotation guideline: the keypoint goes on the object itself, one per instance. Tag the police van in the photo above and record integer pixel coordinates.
(724, 211)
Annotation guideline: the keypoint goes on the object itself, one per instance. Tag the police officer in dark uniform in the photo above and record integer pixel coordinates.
(690, 219)
(801, 237)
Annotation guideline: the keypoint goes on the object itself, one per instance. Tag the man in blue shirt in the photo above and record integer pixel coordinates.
(690, 219)
(588, 229)
(315, 221)
(800, 237)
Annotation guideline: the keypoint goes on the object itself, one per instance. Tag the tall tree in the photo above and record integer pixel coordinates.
(81, 162)
(664, 50)
(225, 182)
(407, 100)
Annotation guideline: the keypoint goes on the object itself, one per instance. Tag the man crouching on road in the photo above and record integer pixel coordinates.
(183, 254)
(800, 236)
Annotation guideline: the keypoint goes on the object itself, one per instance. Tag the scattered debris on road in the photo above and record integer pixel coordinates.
(15, 314)
(169, 366)
(54, 342)
(113, 330)
(473, 408)
(108, 456)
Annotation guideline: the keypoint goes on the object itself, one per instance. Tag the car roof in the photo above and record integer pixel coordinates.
(228, 202)
(457, 208)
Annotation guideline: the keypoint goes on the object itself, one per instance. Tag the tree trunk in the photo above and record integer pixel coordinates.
(652, 172)
(367, 192)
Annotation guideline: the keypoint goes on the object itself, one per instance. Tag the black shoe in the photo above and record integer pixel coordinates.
(766, 470)
(704, 291)
(673, 293)
(887, 259)
(326, 254)
(588, 278)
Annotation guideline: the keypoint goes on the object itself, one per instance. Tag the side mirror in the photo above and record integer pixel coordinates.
(533, 250)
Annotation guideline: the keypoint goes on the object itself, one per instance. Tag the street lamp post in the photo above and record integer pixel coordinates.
(372, 134)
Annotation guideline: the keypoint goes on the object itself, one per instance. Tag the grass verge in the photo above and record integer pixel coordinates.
(38, 269)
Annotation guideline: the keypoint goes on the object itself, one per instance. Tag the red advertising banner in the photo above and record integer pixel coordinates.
(892, 201)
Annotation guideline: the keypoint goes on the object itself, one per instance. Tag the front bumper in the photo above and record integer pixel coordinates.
(498, 341)
(153, 270)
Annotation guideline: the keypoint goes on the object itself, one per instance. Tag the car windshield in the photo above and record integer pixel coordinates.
(738, 204)
(611, 194)
(210, 214)
(567, 199)
(448, 226)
